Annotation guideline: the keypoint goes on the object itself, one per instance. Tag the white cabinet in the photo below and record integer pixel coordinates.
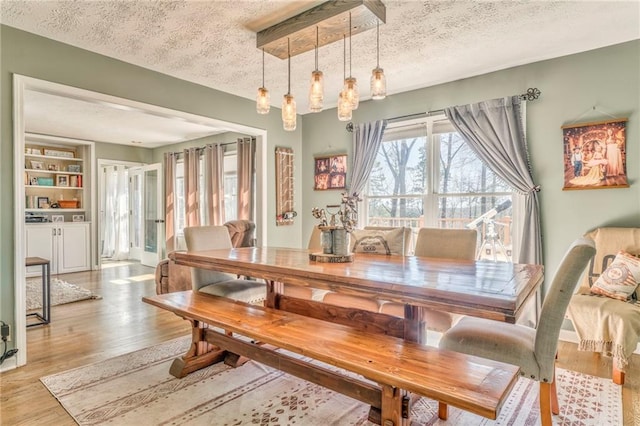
(66, 245)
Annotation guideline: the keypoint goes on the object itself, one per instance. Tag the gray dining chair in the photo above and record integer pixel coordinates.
(200, 238)
(533, 350)
(457, 244)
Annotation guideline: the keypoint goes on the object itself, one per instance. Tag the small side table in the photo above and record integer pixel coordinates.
(45, 317)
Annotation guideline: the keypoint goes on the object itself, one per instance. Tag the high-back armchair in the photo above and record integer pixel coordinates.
(604, 324)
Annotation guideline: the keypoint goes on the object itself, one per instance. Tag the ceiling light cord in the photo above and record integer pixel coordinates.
(377, 44)
(262, 67)
(350, 51)
(317, 44)
(289, 66)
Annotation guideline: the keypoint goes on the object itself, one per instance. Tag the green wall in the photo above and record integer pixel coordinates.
(111, 151)
(30, 55)
(571, 86)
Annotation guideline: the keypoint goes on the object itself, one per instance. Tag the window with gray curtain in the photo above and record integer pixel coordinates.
(426, 175)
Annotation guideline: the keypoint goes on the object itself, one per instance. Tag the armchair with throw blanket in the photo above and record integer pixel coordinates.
(604, 323)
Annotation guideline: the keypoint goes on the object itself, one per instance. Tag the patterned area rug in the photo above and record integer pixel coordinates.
(61, 292)
(137, 389)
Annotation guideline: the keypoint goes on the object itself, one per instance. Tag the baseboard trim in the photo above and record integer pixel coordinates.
(9, 364)
(570, 336)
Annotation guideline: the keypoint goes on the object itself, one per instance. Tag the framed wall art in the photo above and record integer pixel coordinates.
(330, 172)
(284, 186)
(595, 155)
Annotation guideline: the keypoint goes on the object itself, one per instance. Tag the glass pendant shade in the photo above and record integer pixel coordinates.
(316, 92)
(263, 102)
(344, 107)
(288, 112)
(351, 92)
(378, 84)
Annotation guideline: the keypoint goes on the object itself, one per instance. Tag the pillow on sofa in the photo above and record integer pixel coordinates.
(379, 241)
(620, 279)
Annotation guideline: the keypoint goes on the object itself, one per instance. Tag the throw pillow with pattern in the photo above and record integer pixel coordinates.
(620, 279)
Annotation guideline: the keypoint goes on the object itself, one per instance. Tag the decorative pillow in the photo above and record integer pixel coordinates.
(378, 241)
(620, 279)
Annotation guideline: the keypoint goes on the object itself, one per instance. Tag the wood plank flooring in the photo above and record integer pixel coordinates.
(90, 331)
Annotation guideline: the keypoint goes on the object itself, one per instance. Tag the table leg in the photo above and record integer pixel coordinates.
(414, 326)
(46, 303)
(200, 354)
(274, 288)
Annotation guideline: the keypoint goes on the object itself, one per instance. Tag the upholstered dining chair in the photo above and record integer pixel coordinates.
(533, 350)
(458, 244)
(220, 283)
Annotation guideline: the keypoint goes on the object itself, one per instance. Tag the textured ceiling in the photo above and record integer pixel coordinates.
(423, 43)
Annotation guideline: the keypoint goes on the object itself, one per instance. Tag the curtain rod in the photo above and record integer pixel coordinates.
(531, 94)
(203, 147)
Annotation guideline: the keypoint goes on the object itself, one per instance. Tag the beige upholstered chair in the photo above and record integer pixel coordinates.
(401, 245)
(534, 350)
(603, 324)
(457, 244)
(219, 283)
(308, 293)
(447, 243)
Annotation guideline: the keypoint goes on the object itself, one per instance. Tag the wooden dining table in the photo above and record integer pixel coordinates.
(493, 290)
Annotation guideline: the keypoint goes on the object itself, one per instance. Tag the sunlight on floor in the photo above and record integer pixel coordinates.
(109, 264)
(136, 279)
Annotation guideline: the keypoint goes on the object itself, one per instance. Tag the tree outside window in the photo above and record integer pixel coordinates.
(428, 176)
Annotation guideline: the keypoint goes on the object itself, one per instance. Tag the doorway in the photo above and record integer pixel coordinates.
(130, 220)
(23, 120)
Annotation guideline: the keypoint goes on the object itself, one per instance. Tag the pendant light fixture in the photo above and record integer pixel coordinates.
(378, 79)
(316, 91)
(288, 102)
(350, 84)
(344, 106)
(263, 102)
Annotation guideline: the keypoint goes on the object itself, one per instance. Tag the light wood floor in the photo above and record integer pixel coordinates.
(91, 331)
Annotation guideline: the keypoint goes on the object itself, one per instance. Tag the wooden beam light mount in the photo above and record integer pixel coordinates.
(332, 20)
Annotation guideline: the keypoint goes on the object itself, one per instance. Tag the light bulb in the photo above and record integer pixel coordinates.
(288, 112)
(316, 92)
(344, 107)
(351, 92)
(378, 84)
(263, 102)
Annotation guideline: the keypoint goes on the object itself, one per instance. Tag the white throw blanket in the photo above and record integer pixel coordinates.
(606, 325)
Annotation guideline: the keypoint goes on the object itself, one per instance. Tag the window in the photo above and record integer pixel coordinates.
(230, 191)
(426, 175)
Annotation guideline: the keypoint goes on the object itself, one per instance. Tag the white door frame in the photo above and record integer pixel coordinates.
(147, 258)
(23, 83)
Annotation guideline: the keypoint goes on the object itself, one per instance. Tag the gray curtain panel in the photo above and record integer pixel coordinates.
(495, 132)
(192, 186)
(367, 138)
(214, 183)
(170, 159)
(246, 167)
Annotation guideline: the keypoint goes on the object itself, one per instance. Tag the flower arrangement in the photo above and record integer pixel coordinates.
(347, 213)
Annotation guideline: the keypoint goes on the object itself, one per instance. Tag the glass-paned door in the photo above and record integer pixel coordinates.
(152, 215)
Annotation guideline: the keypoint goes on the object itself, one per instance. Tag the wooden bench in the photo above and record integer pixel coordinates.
(399, 367)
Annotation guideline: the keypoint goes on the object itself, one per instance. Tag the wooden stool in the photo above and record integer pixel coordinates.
(45, 317)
